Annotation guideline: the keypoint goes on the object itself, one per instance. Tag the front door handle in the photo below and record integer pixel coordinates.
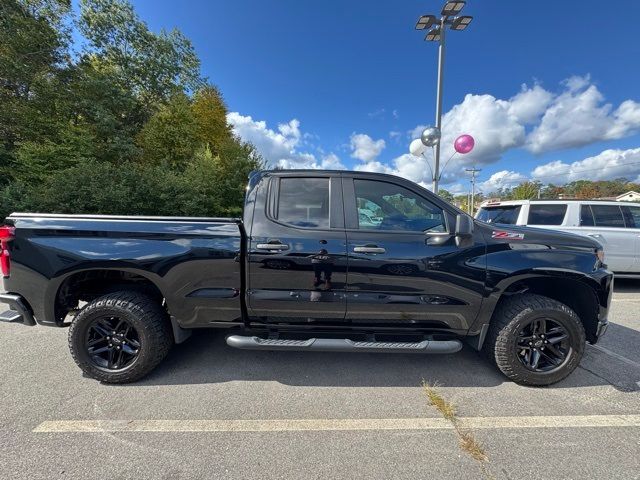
(272, 246)
(369, 249)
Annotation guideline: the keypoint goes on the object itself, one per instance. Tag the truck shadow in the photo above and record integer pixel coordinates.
(205, 358)
(626, 285)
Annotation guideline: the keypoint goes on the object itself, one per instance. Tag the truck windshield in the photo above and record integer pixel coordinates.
(503, 214)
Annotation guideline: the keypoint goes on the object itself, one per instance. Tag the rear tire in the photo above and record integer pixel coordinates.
(120, 337)
(535, 340)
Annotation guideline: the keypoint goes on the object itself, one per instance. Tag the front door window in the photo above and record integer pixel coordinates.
(386, 206)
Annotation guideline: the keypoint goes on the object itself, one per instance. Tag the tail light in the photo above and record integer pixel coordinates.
(6, 235)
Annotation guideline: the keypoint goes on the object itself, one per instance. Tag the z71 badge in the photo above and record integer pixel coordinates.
(507, 235)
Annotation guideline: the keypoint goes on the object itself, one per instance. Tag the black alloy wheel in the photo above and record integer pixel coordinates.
(535, 340)
(121, 336)
(112, 343)
(543, 345)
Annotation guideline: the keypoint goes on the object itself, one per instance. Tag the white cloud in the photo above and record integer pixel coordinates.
(528, 105)
(608, 164)
(291, 129)
(281, 147)
(579, 116)
(494, 125)
(377, 113)
(534, 118)
(577, 82)
(365, 148)
(501, 179)
(331, 162)
(374, 166)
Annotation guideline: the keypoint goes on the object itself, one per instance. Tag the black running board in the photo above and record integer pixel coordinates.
(343, 345)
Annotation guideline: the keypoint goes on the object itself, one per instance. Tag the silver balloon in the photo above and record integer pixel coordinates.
(430, 136)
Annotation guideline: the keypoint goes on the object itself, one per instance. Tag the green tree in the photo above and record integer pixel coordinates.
(446, 195)
(153, 66)
(210, 113)
(170, 137)
(32, 56)
(234, 162)
(526, 190)
(126, 127)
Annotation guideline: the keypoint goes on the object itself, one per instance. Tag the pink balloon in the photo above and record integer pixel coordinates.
(464, 144)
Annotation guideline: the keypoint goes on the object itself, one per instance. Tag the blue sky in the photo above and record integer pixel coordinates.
(344, 83)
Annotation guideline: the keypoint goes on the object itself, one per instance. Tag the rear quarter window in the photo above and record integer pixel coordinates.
(546, 214)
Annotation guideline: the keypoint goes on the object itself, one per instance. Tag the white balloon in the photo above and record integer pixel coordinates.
(417, 148)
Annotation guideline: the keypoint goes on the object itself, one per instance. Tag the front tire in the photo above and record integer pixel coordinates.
(535, 340)
(120, 337)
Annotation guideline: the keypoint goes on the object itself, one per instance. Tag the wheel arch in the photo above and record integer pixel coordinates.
(86, 285)
(574, 291)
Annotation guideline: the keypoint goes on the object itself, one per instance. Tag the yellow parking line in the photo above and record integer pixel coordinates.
(347, 424)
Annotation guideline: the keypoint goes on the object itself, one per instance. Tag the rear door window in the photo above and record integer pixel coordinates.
(546, 214)
(607, 216)
(504, 214)
(304, 202)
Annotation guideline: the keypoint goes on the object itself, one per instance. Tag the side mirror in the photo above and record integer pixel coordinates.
(464, 230)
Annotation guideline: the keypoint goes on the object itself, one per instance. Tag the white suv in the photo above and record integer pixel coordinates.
(616, 225)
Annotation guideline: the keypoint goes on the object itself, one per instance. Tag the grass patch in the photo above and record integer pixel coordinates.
(469, 444)
(447, 409)
(466, 438)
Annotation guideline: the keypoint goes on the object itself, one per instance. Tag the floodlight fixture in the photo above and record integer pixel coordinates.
(460, 23)
(426, 21)
(433, 35)
(452, 7)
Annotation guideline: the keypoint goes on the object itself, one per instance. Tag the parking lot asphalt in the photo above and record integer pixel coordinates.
(317, 415)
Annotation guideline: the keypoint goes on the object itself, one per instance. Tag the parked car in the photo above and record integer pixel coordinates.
(616, 225)
(423, 280)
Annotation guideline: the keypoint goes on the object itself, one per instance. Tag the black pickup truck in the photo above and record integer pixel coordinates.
(321, 261)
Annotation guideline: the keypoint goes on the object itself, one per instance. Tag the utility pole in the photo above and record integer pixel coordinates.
(473, 172)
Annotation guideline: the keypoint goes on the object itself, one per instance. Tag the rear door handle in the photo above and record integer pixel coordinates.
(369, 249)
(272, 246)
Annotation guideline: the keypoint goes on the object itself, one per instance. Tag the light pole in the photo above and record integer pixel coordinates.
(448, 18)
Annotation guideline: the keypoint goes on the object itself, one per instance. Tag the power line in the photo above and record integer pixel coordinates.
(583, 170)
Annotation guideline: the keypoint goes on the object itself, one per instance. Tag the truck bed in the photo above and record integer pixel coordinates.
(193, 262)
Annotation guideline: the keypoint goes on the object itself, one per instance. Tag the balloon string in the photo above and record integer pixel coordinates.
(428, 164)
(445, 165)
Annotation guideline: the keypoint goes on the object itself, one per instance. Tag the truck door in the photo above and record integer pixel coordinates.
(404, 266)
(297, 251)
